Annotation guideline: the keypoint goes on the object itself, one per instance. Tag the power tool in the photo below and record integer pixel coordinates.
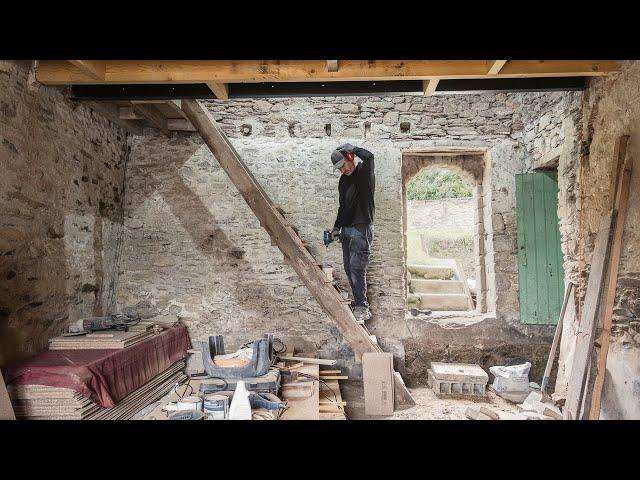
(326, 237)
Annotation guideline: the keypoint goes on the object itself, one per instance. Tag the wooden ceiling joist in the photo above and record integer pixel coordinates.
(496, 66)
(332, 65)
(430, 86)
(221, 90)
(53, 72)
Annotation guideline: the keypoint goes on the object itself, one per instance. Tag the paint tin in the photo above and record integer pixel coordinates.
(216, 406)
(190, 403)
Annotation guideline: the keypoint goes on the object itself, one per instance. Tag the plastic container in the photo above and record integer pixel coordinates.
(240, 408)
(216, 406)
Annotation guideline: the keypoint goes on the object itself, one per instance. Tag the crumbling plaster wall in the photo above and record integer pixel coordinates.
(61, 191)
(611, 109)
(193, 247)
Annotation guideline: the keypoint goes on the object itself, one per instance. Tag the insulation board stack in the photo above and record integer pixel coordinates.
(41, 402)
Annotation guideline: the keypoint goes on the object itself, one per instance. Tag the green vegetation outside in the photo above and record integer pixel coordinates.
(436, 184)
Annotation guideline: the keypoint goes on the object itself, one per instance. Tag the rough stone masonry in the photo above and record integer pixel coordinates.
(61, 194)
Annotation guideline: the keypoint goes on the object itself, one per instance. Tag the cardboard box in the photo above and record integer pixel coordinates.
(377, 374)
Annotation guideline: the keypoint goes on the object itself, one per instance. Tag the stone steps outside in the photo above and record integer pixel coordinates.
(432, 272)
(436, 286)
(444, 301)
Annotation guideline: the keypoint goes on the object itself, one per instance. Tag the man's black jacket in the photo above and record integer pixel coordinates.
(356, 191)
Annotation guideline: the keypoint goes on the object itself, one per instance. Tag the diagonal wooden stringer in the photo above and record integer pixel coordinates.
(287, 240)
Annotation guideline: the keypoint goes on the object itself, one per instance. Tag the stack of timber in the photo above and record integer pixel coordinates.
(107, 339)
(41, 402)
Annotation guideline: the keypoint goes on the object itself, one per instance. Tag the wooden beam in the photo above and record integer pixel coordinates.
(94, 68)
(153, 116)
(621, 195)
(54, 72)
(332, 65)
(221, 90)
(287, 241)
(496, 66)
(586, 328)
(180, 124)
(429, 86)
(556, 339)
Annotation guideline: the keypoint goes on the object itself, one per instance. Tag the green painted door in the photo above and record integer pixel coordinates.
(539, 254)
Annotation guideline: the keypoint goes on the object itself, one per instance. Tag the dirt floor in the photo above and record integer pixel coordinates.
(429, 405)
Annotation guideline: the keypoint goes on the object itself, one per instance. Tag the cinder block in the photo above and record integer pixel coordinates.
(457, 379)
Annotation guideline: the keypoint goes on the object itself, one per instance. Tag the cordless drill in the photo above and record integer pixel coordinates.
(327, 238)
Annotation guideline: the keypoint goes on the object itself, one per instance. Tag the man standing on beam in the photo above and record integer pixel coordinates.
(354, 223)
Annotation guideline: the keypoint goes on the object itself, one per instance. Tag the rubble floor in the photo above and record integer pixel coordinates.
(429, 405)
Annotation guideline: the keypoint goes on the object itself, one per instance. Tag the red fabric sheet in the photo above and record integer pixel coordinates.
(104, 376)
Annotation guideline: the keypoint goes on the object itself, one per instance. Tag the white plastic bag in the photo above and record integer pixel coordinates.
(514, 378)
(512, 371)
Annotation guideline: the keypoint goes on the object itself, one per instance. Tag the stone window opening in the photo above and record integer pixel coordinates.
(405, 127)
(448, 275)
(327, 129)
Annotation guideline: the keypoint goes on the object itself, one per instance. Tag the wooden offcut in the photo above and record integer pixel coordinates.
(285, 238)
(621, 202)
(586, 328)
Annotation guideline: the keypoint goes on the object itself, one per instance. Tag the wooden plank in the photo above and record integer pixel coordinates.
(53, 72)
(331, 406)
(496, 66)
(429, 86)
(289, 244)
(317, 361)
(221, 90)
(556, 339)
(586, 328)
(6, 410)
(180, 124)
(621, 204)
(96, 69)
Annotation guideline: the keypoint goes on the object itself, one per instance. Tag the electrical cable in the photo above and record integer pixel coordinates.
(335, 396)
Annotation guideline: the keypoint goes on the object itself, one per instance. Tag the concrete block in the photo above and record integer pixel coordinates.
(457, 379)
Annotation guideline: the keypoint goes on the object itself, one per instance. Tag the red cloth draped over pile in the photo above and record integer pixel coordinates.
(104, 376)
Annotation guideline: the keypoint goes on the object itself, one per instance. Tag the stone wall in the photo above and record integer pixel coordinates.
(193, 247)
(61, 191)
(611, 109)
(449, 213)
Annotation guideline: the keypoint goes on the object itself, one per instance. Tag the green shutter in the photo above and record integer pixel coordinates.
(539, 253)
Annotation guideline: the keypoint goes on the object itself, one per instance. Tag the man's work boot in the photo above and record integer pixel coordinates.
(362, 313)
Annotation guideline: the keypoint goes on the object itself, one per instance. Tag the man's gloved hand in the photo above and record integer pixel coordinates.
(347, 147)
(335, 234)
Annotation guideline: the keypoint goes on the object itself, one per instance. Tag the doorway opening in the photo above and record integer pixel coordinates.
(443, 224)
